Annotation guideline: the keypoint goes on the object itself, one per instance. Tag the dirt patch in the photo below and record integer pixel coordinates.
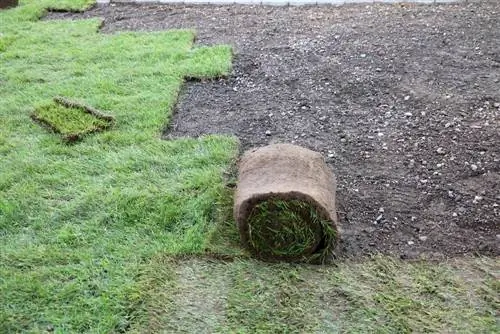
(403, 102)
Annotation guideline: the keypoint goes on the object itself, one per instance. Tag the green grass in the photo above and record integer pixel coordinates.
(77, 222)
(289, 229)
(377, 295)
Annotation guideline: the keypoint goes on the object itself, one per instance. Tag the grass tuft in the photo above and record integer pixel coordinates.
(289, 230)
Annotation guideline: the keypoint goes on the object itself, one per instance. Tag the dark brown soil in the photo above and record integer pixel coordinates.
(402, 101)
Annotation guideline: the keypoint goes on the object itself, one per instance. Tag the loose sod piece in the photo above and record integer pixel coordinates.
(285, 204)
(72, 120)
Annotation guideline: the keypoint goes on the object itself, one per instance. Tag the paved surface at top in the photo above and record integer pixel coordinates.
(279, 2)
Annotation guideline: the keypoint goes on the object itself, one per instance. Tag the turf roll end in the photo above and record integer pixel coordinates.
(285, 204)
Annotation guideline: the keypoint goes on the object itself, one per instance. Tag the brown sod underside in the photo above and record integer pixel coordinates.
(285, 204)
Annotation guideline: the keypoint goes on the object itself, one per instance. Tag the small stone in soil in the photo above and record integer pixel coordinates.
(410, 242)
(440, 150)
(268, 133)
(473, 167)
(423, 238)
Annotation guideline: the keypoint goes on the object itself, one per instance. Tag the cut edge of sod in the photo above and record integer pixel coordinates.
(290, 230)
(89, 119)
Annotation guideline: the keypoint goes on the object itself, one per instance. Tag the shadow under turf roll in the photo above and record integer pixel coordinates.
(285, 204)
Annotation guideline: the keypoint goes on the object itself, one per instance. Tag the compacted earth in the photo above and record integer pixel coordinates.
(402, 100)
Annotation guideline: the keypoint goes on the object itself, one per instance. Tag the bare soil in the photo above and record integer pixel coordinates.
(402, 100)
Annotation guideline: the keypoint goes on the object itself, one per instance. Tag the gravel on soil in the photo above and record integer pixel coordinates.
(403, 101)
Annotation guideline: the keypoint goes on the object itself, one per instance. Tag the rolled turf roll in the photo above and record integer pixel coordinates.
(285, 204)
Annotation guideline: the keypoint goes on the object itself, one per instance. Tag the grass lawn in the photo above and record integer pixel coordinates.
(78, 221)
(92, 233)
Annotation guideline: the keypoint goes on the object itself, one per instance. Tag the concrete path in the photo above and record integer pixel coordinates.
(279, 2)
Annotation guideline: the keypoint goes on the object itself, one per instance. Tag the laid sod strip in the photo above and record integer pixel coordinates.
(285, 204)
(71, 119)
(364, 295)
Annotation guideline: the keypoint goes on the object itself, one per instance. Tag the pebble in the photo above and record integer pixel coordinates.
(379, 218)
(381, 210)
(362, 55)
(378, 69)
(477, 199)
(268, 133)
(330, 155)
(473, 167)
(496, 105)
(410, 242)
(455, 214)
(422, 238)
(408, 114)
(407, 97)
(440, 150)
(439, 165)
